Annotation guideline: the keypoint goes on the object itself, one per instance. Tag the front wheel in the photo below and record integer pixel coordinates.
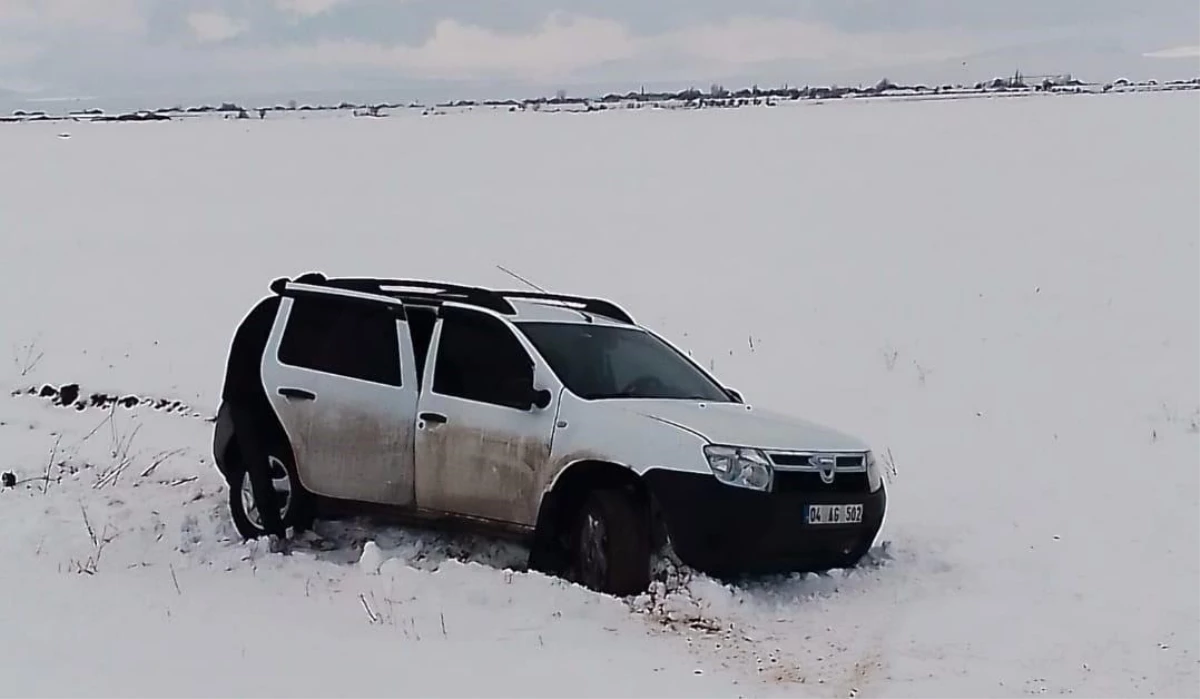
(611, 544)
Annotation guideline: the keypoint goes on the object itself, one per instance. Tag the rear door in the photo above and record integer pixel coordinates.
(339, 373)
(480, 445)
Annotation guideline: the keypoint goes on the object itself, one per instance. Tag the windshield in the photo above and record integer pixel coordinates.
(597, 361)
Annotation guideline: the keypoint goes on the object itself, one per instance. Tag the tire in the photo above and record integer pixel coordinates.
(610, 544)
(296, 503)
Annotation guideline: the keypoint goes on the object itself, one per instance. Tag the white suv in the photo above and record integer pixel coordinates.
(554, 418)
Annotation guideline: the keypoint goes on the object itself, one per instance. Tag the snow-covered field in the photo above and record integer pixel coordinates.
(1003, 296)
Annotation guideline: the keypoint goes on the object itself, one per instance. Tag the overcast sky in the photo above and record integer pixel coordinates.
(114, 47)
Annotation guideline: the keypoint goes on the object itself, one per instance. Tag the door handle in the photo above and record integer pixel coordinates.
(433, 418)
(297, 393)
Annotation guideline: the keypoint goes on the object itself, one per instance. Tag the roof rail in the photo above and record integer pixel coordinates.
(279, 285)
(435, 291)
(594, 306)
(424, 290)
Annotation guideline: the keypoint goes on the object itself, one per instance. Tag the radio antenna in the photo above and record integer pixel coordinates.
(521, 279)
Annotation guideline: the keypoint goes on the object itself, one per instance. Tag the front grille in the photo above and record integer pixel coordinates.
(849, 462)
(800, 472)
(846, 462)
(810, 482)
(792, 460)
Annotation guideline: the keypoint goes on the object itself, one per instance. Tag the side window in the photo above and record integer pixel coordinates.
(480, 359)
(346, 339)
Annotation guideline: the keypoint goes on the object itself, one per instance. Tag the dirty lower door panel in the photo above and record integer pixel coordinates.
(341, 379)
(479, 446)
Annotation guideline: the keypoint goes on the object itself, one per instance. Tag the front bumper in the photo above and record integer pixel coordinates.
(724, 530)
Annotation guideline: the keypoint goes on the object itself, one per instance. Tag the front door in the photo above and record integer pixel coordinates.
(340, 375)
(479, 444)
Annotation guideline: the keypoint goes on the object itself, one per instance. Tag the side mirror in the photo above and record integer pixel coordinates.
(735, 394)
(539, 398)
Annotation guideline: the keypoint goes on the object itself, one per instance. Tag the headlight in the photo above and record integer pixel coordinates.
(739, 466)
(874, 474)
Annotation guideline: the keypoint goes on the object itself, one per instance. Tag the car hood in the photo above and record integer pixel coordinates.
(741, 425)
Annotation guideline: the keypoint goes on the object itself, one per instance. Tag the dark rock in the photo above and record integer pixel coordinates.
(68, 393)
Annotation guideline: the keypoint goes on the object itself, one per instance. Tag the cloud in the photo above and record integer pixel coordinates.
(118, 46)
(18, 52)
(746, 41)
(12, 11)
(565, 44)
(562, 45)
(307, 8)
(215, 27)
(115, 16)
(1176, 52)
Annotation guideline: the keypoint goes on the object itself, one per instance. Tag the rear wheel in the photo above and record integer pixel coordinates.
(611, 544)
(295, 507)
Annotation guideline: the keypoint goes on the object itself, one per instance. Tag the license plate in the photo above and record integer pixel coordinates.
(834, 514)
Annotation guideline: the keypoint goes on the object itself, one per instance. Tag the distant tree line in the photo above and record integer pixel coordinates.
(716, 95)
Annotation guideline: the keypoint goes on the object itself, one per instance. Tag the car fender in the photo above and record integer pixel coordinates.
(613, 432)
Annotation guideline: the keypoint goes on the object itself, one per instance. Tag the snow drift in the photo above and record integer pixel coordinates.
(1001, 295)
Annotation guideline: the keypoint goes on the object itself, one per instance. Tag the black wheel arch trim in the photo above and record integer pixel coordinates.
(567, 492)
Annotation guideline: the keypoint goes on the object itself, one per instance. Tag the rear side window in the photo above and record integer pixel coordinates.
(480, 359)
(343, 338)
